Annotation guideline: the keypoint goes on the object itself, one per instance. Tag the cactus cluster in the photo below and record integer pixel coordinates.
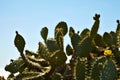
(94, 56)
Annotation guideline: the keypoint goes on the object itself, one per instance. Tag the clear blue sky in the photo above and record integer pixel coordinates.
(29, 16)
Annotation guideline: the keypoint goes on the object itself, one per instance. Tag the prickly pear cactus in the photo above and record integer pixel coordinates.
(109, 71)
(80, 70)
(15, 66)
(95, 26)
(97, 67)
(84, 47)
(69, 50)
(19, 42)
(44, 33)
(93, 56)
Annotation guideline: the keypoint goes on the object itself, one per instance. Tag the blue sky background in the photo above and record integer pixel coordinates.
(29, 16)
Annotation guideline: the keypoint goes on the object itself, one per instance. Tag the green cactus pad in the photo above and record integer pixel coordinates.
(19, 42)
(44, 33)
(69, 50)
(52, 45)
(62, 26)
(43, 51)
(96, 70)
(114, 38)
(99, 41)
(80, 70)
(84, 47)
(75, 40)
(59, 39)
(71, 31)
(107, 38)
(109, 71)
(15, 66)
(59, 58)
(84, 33)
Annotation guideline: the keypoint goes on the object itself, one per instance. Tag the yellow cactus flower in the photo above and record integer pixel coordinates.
(107, 52)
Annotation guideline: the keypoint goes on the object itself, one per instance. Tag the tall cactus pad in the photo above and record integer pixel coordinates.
(95, 26)
(84, 47)
(97, 67)
(59, 39)
(75, 40)
(109, 71)
(80, 70)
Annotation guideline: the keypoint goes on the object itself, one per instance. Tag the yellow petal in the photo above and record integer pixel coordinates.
(107, 52)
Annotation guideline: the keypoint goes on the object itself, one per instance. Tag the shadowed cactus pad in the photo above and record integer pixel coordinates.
(84, 47)
(44, 33)
(19, 42)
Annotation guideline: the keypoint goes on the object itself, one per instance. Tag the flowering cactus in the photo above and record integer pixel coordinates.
(107, 52)
(89, 51)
